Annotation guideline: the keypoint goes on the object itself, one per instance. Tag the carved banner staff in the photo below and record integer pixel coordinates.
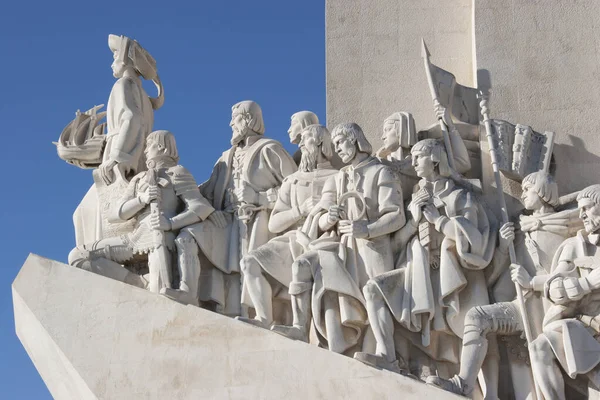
(505, 219)
(460, 101)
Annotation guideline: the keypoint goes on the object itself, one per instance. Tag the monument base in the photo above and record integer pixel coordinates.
(92, 337)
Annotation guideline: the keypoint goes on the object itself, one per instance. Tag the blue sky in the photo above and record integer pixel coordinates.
(55, 60)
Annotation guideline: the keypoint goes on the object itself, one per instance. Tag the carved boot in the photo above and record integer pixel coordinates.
(291, 332)
(381, 362)
(255, 322)
(189, 271)
(300, 292)
(454, 385)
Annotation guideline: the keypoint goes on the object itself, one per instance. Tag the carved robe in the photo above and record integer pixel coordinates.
(346, 263)
(276, 256)
(436, 283)
(576, 344)
(129, 120)
(263, 164)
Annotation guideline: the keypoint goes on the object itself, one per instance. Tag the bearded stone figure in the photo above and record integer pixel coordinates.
(268, 269)
(327, 279)
(243, 190)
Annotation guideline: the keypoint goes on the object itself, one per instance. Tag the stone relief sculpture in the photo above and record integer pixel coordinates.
(327, 280)
(299, 121)
(540, 235)
(267, 270)
(153, 199)
(430, 293)
(243, 190)
(444, 247)
(129, 120)
(569, 341)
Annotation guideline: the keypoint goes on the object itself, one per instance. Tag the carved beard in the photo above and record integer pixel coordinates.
(309, 159)
(238, 136)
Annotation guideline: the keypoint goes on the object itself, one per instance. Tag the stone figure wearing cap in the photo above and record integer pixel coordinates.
(267, 270)
(361, 206)
(175, 188)
(243, 190)
(130, 112)
(443, 250)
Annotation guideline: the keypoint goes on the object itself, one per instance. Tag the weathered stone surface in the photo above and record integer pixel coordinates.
(93, 337)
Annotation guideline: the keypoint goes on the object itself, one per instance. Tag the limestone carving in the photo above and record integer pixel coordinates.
(539, 236)
(445, 246)
(153, 199)
(569, 341)
(243, 190)
(298, 123)
(327, 280)
(129, 120)
(267, 270)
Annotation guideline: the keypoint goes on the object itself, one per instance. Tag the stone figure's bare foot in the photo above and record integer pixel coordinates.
(292, 332)
(255, 322)
(453, 385)
(180, 296)
(377, 361)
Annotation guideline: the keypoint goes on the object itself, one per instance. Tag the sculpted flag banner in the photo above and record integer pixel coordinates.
(460, 100)
(520, 150)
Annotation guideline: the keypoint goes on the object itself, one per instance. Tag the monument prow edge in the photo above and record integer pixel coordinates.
(93, 337)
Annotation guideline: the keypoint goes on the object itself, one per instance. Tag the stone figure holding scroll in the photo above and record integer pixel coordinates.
(361, 206)
(445, 246)
(175, 189)
(267, 270)
(540, 234)
(243, 190)
(570, 341)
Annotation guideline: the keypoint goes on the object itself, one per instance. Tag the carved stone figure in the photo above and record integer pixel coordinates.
(445, 246)
(298, 123)
(571, 332)
(129, 120)
(540, 235)
(153, 199)
(267, 270)
(328, 279)
(243, 190)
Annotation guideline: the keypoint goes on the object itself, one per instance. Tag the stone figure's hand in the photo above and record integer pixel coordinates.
(272, 195)
(507, 235)
(358, 229)
(152, 193)
(419, 199)
(218, 218)
(557, 292)
(106, 171)
(519, 275)
(246, 194)
(334, 213)
(441, 112)
(431, 213)
(159, 222)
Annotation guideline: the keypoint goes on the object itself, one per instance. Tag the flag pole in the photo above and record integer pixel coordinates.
(446, 135)
(484, 97)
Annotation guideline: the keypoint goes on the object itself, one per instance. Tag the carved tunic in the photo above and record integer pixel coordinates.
(432, 298)
(276, 256)
(129, 121)
(178, 191)
(262, 164)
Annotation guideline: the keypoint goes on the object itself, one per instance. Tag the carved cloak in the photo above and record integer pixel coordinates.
(422, 299)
